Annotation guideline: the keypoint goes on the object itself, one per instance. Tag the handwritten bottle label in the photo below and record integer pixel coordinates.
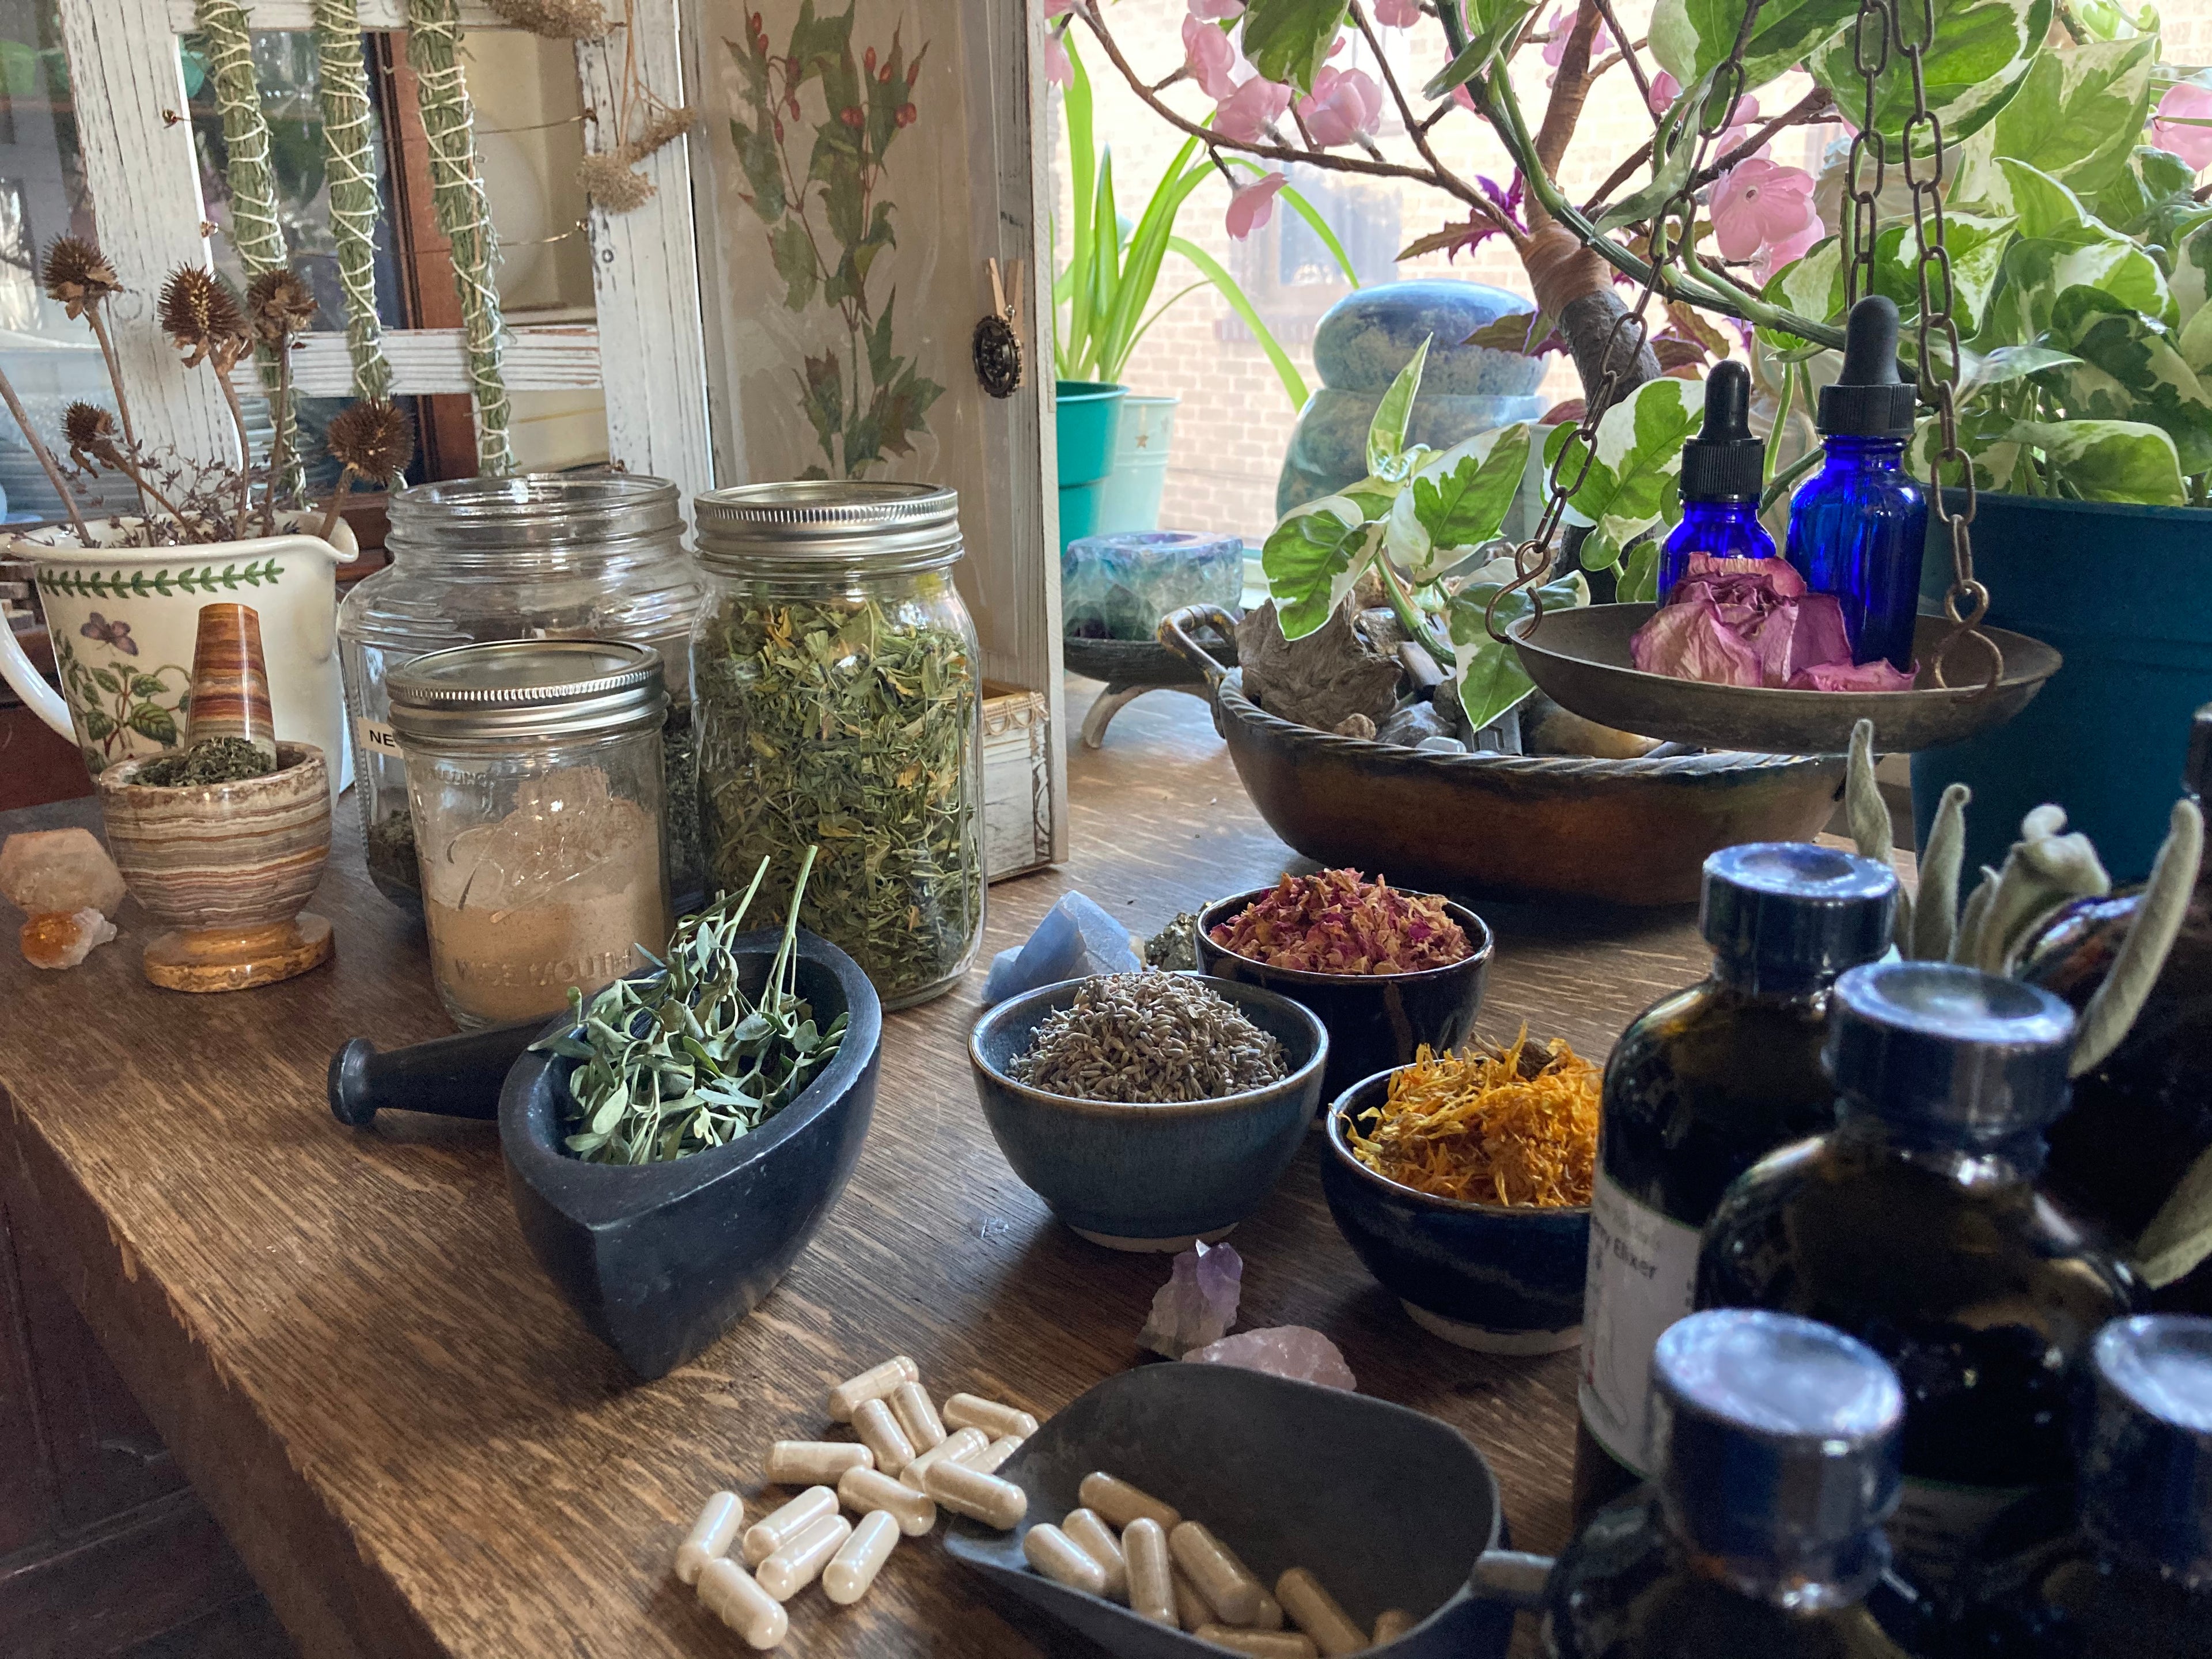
(374, 737)
(1642, 1278)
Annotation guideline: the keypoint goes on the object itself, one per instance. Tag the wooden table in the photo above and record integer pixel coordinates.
(418, 1449)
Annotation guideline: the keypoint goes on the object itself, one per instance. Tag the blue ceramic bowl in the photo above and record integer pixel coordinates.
(1484, 1276)
(1148, 1177)
(1374, 1020)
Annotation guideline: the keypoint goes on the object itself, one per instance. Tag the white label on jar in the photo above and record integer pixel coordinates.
(1938, 1525)
(1642, 1278)
(374, 737)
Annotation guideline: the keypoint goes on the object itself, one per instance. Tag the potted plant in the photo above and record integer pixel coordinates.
(2077, 249)
(122, 594)
(1113, 447)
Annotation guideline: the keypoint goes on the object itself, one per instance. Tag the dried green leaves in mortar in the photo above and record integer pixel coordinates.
(687, 1061)
(848, 723)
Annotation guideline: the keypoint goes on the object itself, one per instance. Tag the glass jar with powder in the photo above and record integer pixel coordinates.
(536, 780)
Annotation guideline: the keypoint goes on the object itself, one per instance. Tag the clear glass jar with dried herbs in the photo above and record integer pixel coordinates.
(559, 555)
(837, 701)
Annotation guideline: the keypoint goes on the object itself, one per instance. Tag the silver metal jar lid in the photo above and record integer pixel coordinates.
(527, 688)
(827, 524)
(536, 511)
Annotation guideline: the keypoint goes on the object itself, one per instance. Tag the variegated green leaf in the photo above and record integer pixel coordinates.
(1812, 287)
(2109, 461)
(1287, 40)
(1386, 432)
(1691, 38)
(1457, 500)
(1981, 54)
(2192, 273)
(2039, 268)
(2042, 205)
(1977, 246)
(1311, 560)
(1491, 678)
(1638, 456)
(2130, 370)
(1491, 25)
(2153, 199)
(2079, 113)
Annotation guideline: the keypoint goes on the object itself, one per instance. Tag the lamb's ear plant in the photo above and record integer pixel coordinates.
(684, 1061)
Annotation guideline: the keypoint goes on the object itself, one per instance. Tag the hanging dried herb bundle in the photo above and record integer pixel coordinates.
(851, 725)
(687, 1061)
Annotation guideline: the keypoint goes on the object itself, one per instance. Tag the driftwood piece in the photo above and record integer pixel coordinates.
(1332, 673)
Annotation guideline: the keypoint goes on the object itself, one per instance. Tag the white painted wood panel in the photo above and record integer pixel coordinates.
(144, 186)
(429, 360)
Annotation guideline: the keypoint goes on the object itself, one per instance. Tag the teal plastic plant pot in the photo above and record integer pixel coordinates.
(1138, 477)
(2125, 594)
(1087, 418)
(1078, 511)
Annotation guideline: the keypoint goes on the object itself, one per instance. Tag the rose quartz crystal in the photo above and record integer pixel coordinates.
(1291, 1351)
(46, 871)
(63, 938)
(1198, 1304)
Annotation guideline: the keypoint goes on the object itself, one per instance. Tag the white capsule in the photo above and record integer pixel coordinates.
(720, 1518)
(987, 1461)
(865, 1491)
(969, 1411)
(862, 1557)
(1119, 1503)
(799, 1562)
(1268, 1615)
(1151, 1575)
(917, 1416)
(1318, 1613)
(1054, 1554)
(815, 1462)
(874, 1422)
(1095, 1540)
(1392, 1623)
(1226, 1582)
(962, 1446)
(871, 1384)
(727, 1591)
(764, 1538)
(982, 1497)
(1259, 1643)
(1191, 1611)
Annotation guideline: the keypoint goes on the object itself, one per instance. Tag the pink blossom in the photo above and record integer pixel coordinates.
(1559, 27)
(1252, 205)
(1665, 89)
(1464, 99)
(1057, 8)
(2172, 130)
(1345, 104)
(1210, 55)
(1057, 68)
(1397, 13)
(1738, 129)
(1761, 210)
(1216, 11)
(1245, 115)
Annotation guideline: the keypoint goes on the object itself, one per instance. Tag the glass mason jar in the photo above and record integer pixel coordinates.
(534, 776)
(835, 681)
(566, 555)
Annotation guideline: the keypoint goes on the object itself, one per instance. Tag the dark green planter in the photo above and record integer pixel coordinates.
(2125, 592)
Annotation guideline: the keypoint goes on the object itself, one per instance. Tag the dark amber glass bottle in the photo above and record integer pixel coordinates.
(1916, 1224)
(1776, 1445)
(2143, 1116)
(2136, 1580)
(1700, 1087)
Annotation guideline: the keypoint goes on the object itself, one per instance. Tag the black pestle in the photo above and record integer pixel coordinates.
(449, 1077)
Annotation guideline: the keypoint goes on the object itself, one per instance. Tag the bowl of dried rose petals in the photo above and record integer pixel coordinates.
(1386, 970)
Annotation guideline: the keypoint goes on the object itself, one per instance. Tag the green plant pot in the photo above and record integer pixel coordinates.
(1078, 511)
(2125, 592)
(1087, 418)
(1139, 476)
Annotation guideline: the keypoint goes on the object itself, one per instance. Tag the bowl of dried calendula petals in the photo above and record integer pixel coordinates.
(1462, 1182)
(1149, 1109)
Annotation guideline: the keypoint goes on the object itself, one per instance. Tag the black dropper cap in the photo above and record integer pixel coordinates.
(1777, 1443)
(1724, 462)
(1948, 1052)
(1784, 917)
(2146, 1451)
(1867, 400)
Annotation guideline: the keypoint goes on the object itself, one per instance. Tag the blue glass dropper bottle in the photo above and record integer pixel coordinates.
(1722, 468)
(1858, 529)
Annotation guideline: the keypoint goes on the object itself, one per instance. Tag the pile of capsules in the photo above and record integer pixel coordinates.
(906, 1462)
(1177, 1573)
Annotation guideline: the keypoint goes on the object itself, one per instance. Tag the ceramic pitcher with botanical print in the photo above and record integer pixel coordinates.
(123, 620)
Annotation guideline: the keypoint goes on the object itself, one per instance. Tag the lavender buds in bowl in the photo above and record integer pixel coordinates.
(1149, 1162)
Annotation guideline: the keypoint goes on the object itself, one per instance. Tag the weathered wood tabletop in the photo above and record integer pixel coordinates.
(417, 1446)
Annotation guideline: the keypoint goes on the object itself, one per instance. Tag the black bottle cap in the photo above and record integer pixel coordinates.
(1930, 1047)
(1788, 916)
(2197, 777)
(1724, 462)
(1867, 400)
(1778, 1444)
(2146, 1451)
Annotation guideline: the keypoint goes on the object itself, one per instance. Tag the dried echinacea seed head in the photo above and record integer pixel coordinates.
(281, 305)
(90, 431)
(77, 275)
(201, 315)
(372, 438)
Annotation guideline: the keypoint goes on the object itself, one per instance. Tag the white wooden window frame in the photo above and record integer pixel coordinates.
(644, 351)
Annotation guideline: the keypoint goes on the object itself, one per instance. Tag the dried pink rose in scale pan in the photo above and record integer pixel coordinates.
(1752, 622)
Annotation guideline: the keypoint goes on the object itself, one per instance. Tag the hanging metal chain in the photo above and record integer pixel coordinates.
(1532, 560)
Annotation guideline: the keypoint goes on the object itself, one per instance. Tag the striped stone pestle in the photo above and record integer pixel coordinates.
(230, 680)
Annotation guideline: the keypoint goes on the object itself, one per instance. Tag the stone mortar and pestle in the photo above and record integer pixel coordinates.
(225, 865)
